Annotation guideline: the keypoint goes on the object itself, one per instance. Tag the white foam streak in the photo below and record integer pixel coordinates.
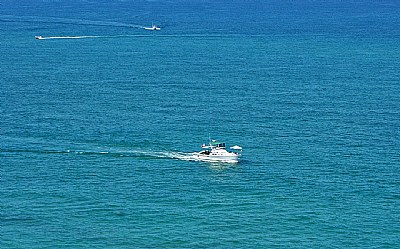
(67, 37)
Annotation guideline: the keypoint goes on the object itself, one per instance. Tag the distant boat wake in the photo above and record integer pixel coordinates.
(64, 37)
(57, 20)
(39, 37)
(185, 156)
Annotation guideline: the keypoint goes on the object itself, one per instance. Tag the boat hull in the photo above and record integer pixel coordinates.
(217, 158)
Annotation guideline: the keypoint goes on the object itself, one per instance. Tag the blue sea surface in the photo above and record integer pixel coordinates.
(97, 124)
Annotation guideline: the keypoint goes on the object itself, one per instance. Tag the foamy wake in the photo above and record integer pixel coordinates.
(67, 37)
(131, 153)
(164, 154)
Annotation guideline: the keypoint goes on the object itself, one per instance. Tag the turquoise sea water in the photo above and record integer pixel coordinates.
(95, 132)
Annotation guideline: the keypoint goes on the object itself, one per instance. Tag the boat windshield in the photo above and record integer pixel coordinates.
(218, 144)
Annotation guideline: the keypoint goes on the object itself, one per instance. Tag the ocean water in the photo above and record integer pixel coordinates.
(96, 131)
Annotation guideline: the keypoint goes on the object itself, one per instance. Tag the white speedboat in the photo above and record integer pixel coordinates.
(216, 152)
(39, 37)
(153, 28)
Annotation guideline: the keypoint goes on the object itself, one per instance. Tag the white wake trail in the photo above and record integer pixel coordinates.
(65, 37)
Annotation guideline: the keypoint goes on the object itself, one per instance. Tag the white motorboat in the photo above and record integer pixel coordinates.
(39, 37)
(216, 152)
(152, 28)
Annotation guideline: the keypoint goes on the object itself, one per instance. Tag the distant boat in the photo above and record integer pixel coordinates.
(39, 37)
(152, 28)
(216, 152)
